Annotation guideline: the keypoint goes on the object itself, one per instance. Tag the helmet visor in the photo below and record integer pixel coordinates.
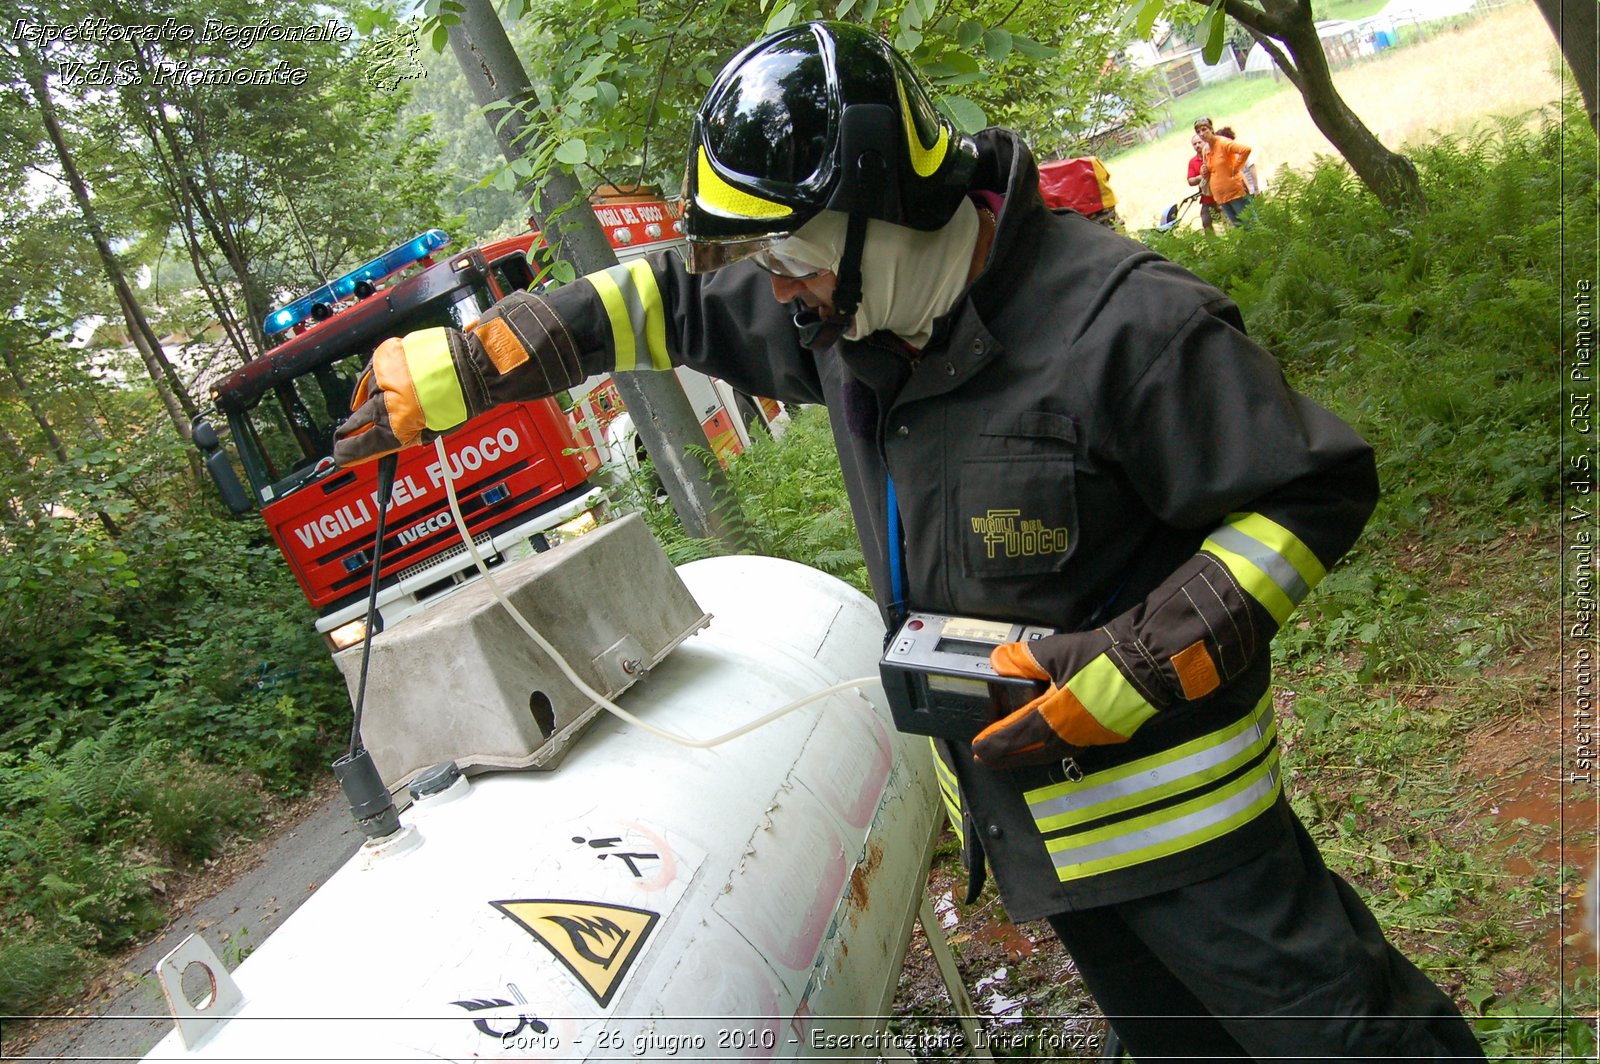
(798, 256)
(708, 256)
(776, 261)
(771, 121)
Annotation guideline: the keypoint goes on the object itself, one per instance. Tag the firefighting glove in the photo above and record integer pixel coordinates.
(1191, 635)
(427, 382)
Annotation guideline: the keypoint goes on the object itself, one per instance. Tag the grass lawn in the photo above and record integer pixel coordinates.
(1232, 97)
(1402, 95)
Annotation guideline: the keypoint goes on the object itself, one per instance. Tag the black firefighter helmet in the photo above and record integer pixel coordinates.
(821, 116)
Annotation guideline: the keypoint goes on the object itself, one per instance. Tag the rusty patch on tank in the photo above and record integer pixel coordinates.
(862, 873)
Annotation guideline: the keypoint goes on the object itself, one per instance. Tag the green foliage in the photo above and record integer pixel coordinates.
(89, 827)
(1433, 336)
(467, 153)
(793, 502)
(151, 680)
(160, 669)
(233, 195)
(788, 498)
(186, 627)
(1436, 338)
(616, 81)
(1526, 1028)
(35, 970)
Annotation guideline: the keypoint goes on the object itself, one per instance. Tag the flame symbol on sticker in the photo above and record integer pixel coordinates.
(583, 930)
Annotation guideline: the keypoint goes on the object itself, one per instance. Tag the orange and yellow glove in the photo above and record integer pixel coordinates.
(410, 392)
(1191, 635)
(427, 382)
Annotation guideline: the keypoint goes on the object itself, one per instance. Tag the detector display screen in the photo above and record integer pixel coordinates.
(938, 678)
(972, 628)
(957, 685)
(963, 647)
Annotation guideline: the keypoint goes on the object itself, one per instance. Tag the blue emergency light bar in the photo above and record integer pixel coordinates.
(413, 250)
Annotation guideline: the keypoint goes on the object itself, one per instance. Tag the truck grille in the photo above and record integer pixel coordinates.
(443, 556)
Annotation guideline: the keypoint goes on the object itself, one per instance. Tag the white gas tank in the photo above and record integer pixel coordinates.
(747, 902)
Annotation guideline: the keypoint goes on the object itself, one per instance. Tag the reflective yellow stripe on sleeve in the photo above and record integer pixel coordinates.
(633, 303)
(949, 790)
(433, 375)
(1269, 561)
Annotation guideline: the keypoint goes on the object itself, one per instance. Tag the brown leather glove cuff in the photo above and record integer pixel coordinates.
(519, 350)
(1193, 634)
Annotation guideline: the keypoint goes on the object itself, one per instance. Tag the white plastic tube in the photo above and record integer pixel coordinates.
(577, 681)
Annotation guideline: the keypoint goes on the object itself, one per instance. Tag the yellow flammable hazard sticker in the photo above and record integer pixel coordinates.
(597, 942)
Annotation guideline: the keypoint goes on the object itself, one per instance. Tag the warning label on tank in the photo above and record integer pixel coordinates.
(597, 942)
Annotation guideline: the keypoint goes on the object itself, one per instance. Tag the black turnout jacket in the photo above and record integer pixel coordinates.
(1082, 389)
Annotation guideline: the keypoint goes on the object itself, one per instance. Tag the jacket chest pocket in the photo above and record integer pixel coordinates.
(1019, 510)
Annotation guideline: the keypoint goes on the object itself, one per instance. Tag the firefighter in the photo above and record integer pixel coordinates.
(1038, 420)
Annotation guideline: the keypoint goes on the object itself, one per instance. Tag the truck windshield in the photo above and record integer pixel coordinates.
(289, 429)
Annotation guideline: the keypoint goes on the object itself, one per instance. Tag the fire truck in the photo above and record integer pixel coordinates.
(524, 471)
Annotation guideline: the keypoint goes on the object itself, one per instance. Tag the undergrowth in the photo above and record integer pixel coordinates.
(158, 686)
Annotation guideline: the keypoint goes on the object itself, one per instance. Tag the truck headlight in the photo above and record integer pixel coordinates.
(584, 522)
(347, 635)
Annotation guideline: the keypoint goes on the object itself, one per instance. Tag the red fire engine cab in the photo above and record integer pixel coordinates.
(522, 471)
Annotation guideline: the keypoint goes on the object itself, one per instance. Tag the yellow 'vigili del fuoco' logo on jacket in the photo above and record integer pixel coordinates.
(1007, 534)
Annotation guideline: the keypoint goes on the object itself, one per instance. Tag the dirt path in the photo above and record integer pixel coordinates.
(234, 905)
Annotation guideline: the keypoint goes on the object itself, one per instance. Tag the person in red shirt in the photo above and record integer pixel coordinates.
(1208, 206)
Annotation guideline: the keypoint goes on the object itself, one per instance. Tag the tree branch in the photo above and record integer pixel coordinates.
(1285, 64)
(661, 79)
(1271, 18)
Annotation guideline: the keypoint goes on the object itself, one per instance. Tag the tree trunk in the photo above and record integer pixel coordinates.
(11, 512)
(661, 411)
(256, 301)
(1578, 31)
(180, 408)
(179, 195)
(202, 199)
(1390, 176)
(57, 448)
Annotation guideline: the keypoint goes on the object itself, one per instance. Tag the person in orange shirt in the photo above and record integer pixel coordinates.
(1224, 170)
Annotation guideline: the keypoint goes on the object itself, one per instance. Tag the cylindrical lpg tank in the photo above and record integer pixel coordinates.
(748, 902)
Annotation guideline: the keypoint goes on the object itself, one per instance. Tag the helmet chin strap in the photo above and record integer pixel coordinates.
(817, 332)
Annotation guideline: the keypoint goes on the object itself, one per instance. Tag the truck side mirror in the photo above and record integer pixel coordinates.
(204, 435)
(221, 470)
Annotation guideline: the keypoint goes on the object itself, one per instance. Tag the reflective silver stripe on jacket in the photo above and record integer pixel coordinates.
(1213, 815)
(1264, 558)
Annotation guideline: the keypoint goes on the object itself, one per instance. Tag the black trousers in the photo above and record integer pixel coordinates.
(1275, 959)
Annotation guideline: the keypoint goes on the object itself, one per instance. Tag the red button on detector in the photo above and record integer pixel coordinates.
(914, 625)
